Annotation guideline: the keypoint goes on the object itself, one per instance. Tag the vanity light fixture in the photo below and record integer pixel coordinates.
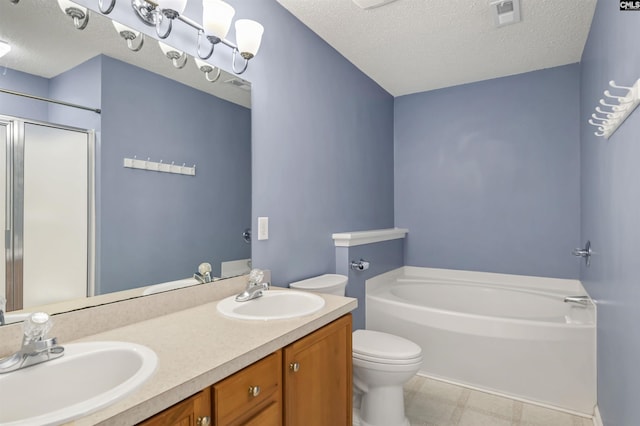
(178, 57)
(169, 10)
(217, 18)
(129, 35)
(79, 14)
(207, 70)
(248, 36)
(106, 10)
(4, 48)
(216, 21)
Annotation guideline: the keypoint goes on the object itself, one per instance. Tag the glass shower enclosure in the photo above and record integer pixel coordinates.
(47, 188)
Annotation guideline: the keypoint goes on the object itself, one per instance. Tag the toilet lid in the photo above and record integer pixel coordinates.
(321, 283)
(369, 344)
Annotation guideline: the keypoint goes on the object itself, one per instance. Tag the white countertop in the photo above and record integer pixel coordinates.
(198, 347)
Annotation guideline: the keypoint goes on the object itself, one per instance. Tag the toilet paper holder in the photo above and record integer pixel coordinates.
(361, 265)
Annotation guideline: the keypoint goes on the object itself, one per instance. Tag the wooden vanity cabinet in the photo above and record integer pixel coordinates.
(193, 411)
(307, 383)
(317, 377)
(252, 396)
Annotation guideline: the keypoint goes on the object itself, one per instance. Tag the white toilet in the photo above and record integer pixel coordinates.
(382, 364)
(327, 284)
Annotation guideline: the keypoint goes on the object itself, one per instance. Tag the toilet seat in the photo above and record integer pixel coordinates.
(375, 360)
(384, 348)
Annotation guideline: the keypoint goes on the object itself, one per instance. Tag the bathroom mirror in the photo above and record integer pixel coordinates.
(171, 155)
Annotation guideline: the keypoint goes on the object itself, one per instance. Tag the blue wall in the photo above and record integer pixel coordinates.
(487, 174)
(322, 147)
(322, 140)
(80, 85)
(610, 213)
(26, 83)
(155, 227)
(383, 257)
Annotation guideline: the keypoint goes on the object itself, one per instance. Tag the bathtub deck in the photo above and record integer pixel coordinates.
(433, 403)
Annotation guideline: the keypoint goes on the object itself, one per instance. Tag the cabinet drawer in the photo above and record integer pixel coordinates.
(238, 394)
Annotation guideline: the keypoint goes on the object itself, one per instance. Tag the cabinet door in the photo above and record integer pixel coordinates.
(269, 416)
(317, 377)
(193, 411)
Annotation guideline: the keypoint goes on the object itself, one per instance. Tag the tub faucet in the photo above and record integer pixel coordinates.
(254, 288)
(36, 347)
(581, 300)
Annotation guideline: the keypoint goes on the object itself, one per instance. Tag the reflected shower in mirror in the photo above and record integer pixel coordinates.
(168, 161)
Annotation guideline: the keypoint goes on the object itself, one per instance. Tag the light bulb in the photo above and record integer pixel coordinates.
(175, 5)
(248, 36)
(216, 17)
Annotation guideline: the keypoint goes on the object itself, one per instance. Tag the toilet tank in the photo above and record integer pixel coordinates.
(327, 283)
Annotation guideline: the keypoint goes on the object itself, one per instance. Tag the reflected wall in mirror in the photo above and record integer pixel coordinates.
(147, 227)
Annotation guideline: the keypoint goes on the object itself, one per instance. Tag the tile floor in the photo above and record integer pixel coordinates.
(430, 402)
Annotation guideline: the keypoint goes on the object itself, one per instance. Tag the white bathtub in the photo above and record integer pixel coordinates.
(506, 334)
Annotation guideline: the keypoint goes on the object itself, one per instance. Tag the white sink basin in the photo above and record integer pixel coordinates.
(89, 376)
(272, 305)
(170, 285)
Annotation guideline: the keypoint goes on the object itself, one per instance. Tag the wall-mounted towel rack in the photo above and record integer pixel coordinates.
(134, 163)
(615, 108)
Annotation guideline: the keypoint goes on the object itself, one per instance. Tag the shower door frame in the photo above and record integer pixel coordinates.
(14, 207)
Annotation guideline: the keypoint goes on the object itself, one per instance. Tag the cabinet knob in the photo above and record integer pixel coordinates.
(294, 366)
(254, 391)
(204, 421)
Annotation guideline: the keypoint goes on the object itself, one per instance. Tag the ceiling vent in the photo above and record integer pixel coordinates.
(505, 12)
(239, 83)
(370, 4)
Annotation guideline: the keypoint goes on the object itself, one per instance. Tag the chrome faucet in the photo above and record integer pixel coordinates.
(204, 273)
(36, 347)
(254, 288)
(581, 300)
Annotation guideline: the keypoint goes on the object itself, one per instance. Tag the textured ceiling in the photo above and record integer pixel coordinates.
(412, 46)
(45, 43)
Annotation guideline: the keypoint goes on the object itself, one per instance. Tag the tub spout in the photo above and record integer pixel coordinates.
(581, 300)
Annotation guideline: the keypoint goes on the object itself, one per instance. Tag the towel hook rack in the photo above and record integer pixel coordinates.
(159, 166)
(621, 107)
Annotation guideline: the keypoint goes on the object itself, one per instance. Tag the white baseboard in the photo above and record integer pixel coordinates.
(597, 419)
(509, 396)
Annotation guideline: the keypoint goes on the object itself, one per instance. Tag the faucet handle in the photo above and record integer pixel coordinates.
(36, 327)
(255, 276)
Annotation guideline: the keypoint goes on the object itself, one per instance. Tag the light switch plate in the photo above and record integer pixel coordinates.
(263, 228)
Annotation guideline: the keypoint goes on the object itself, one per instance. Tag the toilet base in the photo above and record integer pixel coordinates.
(383, 406)
(357, 420)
